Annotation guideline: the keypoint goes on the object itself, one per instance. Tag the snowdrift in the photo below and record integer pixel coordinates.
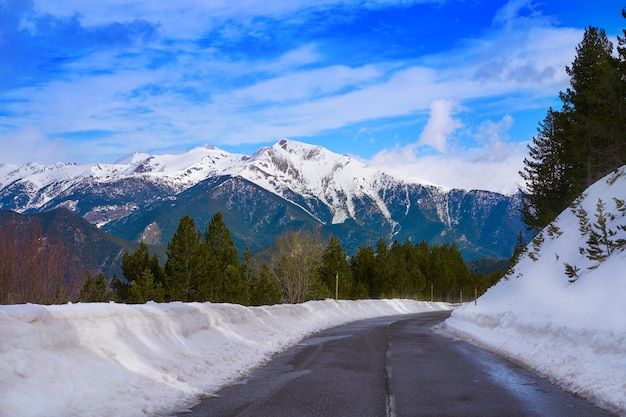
(153, 359)
(573, 333)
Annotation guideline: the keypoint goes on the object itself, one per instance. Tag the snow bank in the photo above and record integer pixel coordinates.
(143, 360)
(572, 333)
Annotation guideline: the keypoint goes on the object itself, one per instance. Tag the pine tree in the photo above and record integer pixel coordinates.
(595, 103)
(133, 267)
(145, 289)
(87, 289)
(600, 242)
(382, 286)
(226, 281)
(547, 174)
(362, 266)
(101, 292)
(95, 290)
(334, 263)
(187, 266)
(583, 141)
(262, 288)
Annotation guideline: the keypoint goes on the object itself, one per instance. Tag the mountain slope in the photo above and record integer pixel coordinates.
(85, 247)
(565, 323)
(285, 186)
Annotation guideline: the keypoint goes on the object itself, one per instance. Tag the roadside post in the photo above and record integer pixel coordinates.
(336, 285)
(475, 293)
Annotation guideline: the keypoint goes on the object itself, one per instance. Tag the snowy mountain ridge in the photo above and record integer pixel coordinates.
(285, 168)
(291, 167)
(180, 171)
(138, 196)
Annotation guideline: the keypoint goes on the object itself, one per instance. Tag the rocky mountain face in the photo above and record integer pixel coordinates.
(288, 185)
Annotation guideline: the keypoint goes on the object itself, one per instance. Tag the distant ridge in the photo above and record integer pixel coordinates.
(284, 186)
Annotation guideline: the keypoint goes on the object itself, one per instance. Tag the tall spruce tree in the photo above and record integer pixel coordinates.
(594, 102)
(548, 175)
(225, 279)
(362, 265)
(187, 266)
(334, 263)
(583, 141)
(133, 267)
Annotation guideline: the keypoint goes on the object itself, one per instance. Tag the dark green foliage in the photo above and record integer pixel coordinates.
(145, 288)
(334, 263)
(520, 249)
(134, 267)
(572, 272)
(262, 288)
(362, 266)
(601, 243)
(94, 290)
(412, 271)
(582, 142)
(225, 279)
(187, 266)
(546, 173)
(299, 268)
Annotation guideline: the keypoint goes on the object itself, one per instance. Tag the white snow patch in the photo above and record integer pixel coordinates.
(572, 333)
(152, 359)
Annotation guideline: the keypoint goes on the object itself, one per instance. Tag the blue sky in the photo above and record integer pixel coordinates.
(447, 90)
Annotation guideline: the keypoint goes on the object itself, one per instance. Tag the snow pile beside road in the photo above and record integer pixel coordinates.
(572, 333)
(143, 360)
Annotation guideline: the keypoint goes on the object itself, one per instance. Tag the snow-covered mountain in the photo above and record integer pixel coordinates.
(105, 192)
(560, 310)
(290, 184)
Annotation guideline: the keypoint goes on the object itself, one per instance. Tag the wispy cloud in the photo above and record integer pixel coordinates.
(492, 163)
(157, 75)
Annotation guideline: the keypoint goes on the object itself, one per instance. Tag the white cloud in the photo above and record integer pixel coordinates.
(29, 144)
(493, 164)
(440, 125)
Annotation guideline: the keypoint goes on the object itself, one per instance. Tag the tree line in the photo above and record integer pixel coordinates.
(583, 140)
(300, 266)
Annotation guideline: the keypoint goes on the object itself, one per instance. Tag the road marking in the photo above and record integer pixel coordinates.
(391, 399)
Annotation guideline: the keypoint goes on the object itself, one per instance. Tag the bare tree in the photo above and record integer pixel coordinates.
(34, 268)
(294, 261)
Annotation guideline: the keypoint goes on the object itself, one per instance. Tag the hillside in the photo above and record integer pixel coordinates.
(282, 187)
(568, 327)
(71, 248)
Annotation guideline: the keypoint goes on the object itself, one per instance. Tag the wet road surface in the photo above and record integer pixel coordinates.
(392, 367)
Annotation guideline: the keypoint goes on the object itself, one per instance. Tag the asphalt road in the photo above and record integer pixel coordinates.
(392, 367)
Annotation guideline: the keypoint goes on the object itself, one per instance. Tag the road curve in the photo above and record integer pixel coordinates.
(392, 367)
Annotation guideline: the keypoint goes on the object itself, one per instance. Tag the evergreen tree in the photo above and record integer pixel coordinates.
(133, 267)
(381, 286)
(87, 289)
(262, 288)
(101, 293)
(226, 281)
(95, 290)
(145, 289)
(187, 266)
(362, 266)
(548, 175)
(334, 263)
(584, 141)
(595, 104)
